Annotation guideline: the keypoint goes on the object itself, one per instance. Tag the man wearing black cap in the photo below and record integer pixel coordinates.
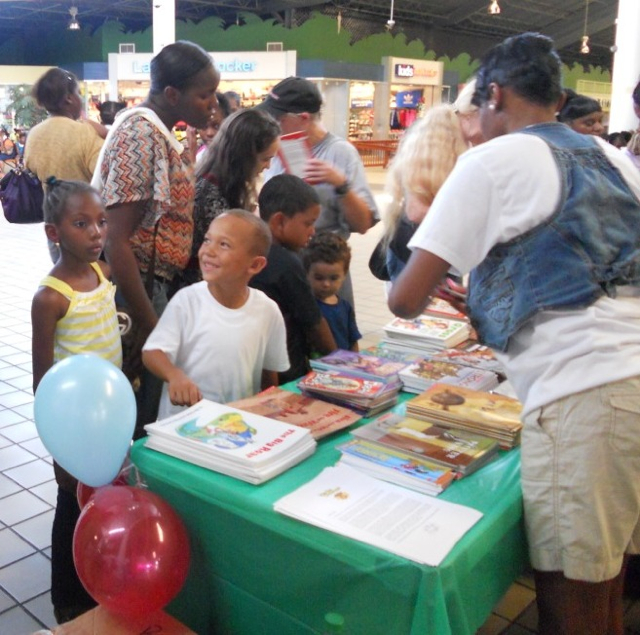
(336, 170)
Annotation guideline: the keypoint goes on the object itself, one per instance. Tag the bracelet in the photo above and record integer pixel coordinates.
(341, 190)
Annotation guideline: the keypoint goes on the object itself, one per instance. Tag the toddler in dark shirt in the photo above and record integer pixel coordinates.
(326, 260)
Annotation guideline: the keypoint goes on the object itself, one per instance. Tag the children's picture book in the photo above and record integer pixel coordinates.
(365, 396)
(335, 382)
(359, 365)
(474, 355)
(488, 414)
(319, 417)
(439, 307)
(426, 330)
(233, 442)
(382, 349)
(351, 503)
(459, 450)
(396, 466)
(422, 375)
(294, 152)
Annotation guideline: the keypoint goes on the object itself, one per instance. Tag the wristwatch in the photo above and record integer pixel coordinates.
(341, 190)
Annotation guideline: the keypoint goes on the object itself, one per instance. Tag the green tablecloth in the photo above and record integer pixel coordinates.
(256, 572)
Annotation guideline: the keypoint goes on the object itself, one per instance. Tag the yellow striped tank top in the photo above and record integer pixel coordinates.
(90, 324)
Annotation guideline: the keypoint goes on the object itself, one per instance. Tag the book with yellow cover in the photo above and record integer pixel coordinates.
(489, 414)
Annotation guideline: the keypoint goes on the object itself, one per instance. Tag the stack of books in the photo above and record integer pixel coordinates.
(358, 365)
(425, 333)
(383, 349)
(366, 396)
(470, 354)
(488, 414)
(462, 452)
(396, 466)
(317, 416)
(425, 373)
(240, 444)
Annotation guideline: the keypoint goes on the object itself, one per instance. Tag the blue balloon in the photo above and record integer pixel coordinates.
(85, 413)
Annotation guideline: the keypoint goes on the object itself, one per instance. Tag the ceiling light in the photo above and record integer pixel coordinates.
(74, 25)
(584, 45)
(390, 22)
(494, 7)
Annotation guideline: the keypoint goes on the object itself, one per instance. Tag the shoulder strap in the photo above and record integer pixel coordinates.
(58, 285)
(98, 269)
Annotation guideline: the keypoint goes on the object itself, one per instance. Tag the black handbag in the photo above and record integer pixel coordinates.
(21, 195)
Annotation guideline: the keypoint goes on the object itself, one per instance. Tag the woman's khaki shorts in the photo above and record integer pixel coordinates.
(581, 481)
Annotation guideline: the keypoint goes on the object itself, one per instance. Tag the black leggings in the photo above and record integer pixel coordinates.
(66, 589)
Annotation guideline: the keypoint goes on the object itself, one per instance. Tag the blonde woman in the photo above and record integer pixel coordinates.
(426, 155)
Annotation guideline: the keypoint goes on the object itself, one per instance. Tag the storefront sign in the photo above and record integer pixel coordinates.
(236, 66)
(143, 68)
(404, 70)
(240, 65)
(362, 103)
(401, 70)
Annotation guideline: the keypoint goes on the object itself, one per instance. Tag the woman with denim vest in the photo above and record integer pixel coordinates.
(545, 219)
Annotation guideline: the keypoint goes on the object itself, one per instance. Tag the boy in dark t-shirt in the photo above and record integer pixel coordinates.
(290, 207)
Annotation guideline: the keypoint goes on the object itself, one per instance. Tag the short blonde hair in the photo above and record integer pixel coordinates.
(426, 155)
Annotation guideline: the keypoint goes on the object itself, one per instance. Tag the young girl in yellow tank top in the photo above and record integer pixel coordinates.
(72, 312)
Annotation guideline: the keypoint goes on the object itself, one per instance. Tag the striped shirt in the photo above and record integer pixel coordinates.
(90, 324)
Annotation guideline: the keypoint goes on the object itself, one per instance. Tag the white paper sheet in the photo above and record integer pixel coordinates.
(348, 502)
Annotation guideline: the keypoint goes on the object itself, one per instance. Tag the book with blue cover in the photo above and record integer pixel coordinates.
(396, 466)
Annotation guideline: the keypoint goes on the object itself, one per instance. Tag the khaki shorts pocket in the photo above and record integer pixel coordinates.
(625, 424)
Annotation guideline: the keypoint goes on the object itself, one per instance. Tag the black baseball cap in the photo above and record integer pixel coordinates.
(292, 95)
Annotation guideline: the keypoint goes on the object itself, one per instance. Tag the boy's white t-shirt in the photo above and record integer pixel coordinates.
(496, 192)
(222, 350)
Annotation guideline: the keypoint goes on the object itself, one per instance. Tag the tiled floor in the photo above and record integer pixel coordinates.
(27, 488)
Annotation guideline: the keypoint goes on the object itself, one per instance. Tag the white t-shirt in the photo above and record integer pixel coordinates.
(222, 350)
(496, 192)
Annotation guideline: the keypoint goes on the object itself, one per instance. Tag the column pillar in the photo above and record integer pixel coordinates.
(626, 66)
(164, 24)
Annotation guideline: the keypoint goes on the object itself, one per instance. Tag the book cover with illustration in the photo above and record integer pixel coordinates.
(425, 373)
(460, 450)
(441, 331)
(338, 383)
(487, 413)
(438, 307)
(383, 349)
(319, 417)
(359, 365)
(231, 441)
(396, 466)
(475, 356)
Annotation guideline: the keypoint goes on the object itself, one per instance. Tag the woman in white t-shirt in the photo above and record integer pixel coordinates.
(539, 202)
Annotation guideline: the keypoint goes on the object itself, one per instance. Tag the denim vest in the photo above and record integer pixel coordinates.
(588, 246)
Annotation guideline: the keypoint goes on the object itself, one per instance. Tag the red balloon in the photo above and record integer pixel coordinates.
(85, 492)
(131, 550)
